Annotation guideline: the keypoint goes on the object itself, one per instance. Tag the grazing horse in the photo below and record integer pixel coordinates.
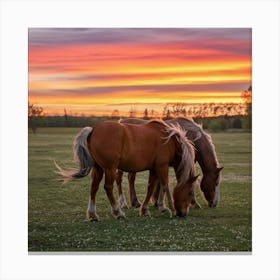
(205, 155)
(153, 146)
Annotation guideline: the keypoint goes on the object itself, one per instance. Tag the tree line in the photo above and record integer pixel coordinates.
(214, 124)
(213, 116)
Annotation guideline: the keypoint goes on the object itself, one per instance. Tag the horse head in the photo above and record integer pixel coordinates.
(210, 186)
(183, 196)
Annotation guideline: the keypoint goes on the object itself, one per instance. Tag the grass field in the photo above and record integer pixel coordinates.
(56, 213)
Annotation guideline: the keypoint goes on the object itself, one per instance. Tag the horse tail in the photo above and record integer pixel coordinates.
(81, 155)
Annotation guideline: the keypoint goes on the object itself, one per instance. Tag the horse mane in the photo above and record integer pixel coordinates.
(190, 125)
(211, 145)
(157, 121)
(186, 165)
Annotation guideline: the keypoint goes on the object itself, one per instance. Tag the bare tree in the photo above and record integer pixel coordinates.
(246, 95)
(174, 110)
(178, 109)
(115, 113)
(146, 114)
(35, 114)
(132, 112)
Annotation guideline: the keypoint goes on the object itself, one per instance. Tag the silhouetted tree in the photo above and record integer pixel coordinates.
(115, 113)
(178, 109)
(132, 112)
(35, 115)
(246, 95)
(174, 110)
(66, 119)
(145, 114)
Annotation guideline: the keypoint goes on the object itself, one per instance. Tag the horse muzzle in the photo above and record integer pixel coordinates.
(180, 214)
(212, 204)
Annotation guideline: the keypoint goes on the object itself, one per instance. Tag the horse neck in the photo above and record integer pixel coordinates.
(206, 155)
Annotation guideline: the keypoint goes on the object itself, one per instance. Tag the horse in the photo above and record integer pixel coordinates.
(153, 146)
(205, 155)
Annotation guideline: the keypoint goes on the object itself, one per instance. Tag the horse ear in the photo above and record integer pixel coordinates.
(219, 169)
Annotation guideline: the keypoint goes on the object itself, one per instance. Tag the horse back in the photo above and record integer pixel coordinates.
(105, 143)
(133, 121)
(141, 147)
(129, 147)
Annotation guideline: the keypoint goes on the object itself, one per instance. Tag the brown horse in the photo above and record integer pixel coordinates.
(205, 155)
(153, 146)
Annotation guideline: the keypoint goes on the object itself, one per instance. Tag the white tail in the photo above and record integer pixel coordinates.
(81, 155)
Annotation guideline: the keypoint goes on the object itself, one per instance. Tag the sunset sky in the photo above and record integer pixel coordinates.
(98, 70)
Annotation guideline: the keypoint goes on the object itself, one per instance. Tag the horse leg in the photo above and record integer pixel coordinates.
(160, 203)
(155, 195)
(164, 188)
(96, 175)
(132, 193)
(144, 209)
(109, 185)
(122, 199)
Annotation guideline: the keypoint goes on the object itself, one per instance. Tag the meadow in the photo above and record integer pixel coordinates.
(56, 212)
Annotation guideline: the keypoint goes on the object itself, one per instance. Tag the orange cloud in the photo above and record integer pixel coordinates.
(97, 73)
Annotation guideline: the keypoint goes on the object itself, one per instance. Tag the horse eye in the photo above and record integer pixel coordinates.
(190, 193)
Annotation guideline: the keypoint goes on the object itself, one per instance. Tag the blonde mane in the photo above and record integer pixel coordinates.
(186, 166)
(188, 124)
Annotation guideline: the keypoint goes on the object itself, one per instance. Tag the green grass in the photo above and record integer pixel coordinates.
(56, 213)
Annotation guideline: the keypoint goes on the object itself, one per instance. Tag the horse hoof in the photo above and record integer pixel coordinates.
(92, 219)
(144, 212)
(148, 214)
(136, 204)
(124, 206)
(166, 210)
(120, 217)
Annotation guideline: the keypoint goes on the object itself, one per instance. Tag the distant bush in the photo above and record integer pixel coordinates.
(217, 124)
(237, 123)
(247, 122)
(73, 121)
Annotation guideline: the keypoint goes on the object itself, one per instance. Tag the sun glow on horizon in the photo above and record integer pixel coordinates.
(99, 71)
